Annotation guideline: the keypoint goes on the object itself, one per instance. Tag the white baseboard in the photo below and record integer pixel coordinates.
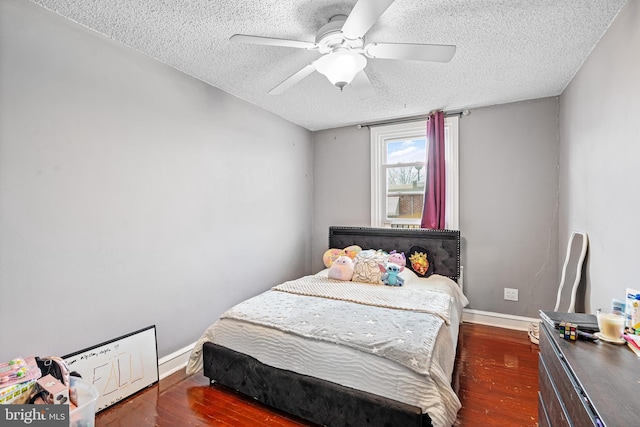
(500, 320)
(175, 361)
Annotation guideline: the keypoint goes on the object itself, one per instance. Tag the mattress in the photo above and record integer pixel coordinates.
(351, 367)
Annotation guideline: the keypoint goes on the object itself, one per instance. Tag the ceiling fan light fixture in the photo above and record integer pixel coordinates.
(341, 67)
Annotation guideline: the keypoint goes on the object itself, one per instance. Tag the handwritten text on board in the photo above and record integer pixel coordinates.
(120, 367)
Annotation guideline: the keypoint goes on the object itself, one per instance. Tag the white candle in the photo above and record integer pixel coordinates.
(611, 325)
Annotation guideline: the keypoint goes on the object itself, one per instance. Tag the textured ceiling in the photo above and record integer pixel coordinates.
(507, 50)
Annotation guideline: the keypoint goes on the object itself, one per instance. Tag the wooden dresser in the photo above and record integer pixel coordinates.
(586, 383)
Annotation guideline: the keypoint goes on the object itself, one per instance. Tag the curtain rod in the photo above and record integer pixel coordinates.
(412, 119)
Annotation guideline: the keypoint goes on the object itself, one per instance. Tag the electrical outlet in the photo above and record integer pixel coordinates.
(510, 294)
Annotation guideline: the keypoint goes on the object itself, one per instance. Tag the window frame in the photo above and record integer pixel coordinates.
(380, 135)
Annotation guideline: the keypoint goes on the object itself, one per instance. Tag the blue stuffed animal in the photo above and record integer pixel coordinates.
(391, 274)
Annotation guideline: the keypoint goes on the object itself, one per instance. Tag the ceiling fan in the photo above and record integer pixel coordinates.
(341, 41)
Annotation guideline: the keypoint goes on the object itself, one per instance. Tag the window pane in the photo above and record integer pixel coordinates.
(405, 192)
(406, 151)
(404, 145)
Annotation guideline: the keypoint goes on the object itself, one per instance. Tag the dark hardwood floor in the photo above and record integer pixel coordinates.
(498, 374)
(497, 385)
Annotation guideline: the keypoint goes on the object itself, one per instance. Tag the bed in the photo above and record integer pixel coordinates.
(323, 357)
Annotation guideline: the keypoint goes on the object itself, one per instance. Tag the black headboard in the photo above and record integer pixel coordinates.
(443, 244)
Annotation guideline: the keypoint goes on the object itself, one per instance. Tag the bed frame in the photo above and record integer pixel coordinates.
(323, 402)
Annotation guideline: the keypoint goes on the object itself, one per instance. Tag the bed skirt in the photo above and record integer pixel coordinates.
(319, 401)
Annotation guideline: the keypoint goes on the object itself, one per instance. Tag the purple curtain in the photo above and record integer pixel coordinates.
(433, 211)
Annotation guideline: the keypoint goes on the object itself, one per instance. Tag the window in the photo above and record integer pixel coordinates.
(398, 173)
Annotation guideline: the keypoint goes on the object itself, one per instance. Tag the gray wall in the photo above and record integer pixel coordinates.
(508, 200)
(508, 205)
(600, 159)
(342, 189)
(132, 194)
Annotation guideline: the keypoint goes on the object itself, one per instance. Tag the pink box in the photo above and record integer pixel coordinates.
(53, 391)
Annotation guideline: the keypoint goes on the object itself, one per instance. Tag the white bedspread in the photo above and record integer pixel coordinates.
(348, 365)
(404, 336)
(398, 297)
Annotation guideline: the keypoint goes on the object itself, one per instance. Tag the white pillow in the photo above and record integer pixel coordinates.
(323, 273)
(408, 276)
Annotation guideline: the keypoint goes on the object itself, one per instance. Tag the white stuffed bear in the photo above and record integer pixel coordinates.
(341, 269)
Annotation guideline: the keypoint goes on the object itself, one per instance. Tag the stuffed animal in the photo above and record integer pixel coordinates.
(391, 274)
(352, 251)
(331, 255)
(398, 258)
(341, 269)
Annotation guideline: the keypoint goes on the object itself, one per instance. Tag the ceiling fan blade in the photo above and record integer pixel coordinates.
(362, 86)
(364, 14)
(418, 52)
(270, 41)
(295, 78)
